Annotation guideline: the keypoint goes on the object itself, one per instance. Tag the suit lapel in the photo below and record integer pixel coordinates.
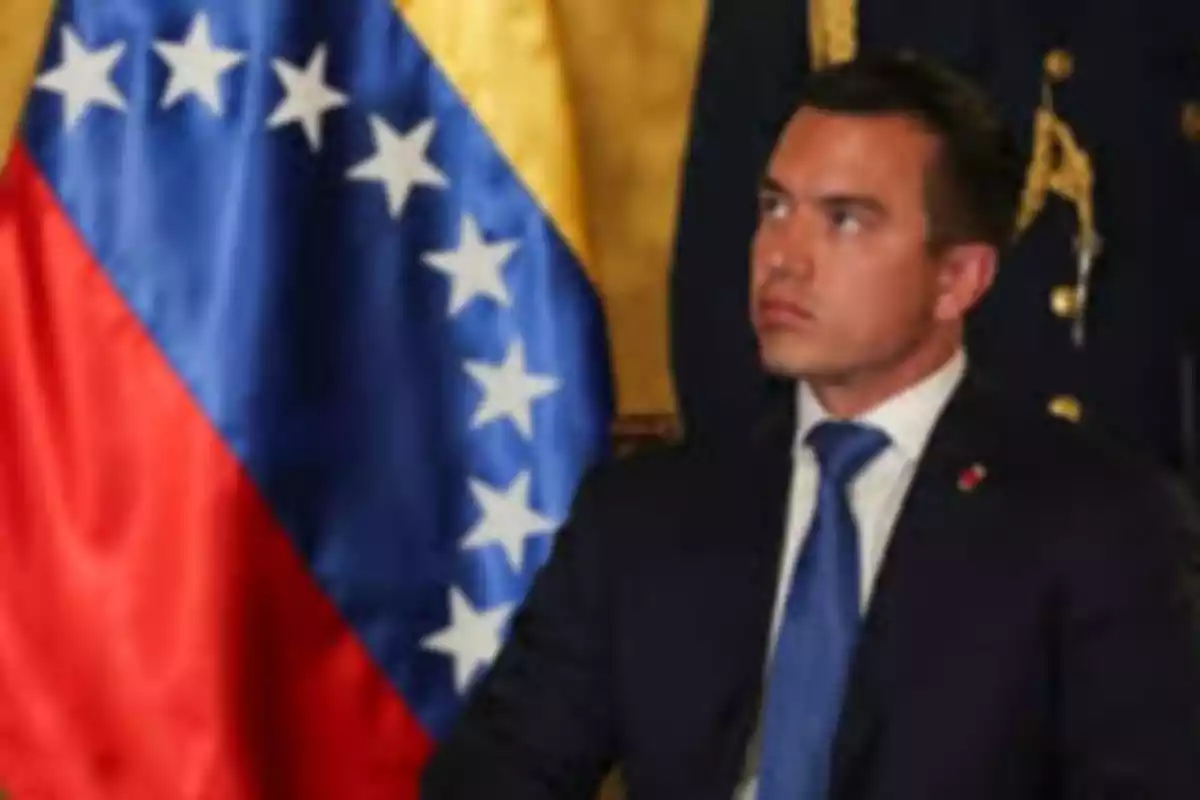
(942, 498)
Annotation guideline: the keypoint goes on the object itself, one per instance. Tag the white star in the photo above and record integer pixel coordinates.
(82, 77)
(399, 162)
(308, 96)
(474, 268)
(509, 390)
(196, 66)
(472, 639)
(507, 519)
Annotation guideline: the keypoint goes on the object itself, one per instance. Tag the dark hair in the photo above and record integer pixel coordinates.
(972, 192)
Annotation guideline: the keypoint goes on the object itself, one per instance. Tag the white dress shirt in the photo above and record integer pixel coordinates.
(876, 495)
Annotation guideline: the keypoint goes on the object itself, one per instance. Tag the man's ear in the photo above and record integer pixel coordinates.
(965, 274)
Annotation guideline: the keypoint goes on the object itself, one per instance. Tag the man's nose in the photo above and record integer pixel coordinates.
(784, 248)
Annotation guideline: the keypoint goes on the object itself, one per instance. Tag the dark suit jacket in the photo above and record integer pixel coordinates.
(1032, 638)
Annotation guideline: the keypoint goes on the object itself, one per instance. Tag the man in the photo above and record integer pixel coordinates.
(1123, 78)
(906, 589)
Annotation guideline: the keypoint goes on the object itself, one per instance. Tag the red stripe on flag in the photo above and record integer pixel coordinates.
(159, 637)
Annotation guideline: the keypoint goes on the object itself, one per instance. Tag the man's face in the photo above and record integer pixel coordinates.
(842, 281)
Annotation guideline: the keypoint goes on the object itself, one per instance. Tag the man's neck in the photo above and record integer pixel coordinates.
(852, 396)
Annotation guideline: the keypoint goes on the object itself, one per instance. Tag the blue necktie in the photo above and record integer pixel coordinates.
(818, 628)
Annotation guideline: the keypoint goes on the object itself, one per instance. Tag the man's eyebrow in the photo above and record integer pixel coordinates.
(835, 200)
(769, 185)
(861, 201)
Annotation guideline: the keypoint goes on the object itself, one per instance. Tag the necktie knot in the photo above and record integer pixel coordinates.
(844, 448)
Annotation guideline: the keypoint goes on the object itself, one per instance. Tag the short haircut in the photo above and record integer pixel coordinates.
(973, 189)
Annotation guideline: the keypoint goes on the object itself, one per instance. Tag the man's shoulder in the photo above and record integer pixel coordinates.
(1074, 465)
(1116, 516)
(668, 482)
(659, 471)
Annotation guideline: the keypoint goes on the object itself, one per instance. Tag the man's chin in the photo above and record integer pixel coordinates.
(790, 365)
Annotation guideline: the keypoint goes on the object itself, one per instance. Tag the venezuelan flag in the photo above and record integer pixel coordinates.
(299, 369)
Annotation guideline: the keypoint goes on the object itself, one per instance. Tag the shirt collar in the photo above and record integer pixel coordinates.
(907, 418)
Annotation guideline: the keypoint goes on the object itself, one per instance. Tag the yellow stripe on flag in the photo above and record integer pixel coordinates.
(505, 59)
(22, 28)
(589, 100)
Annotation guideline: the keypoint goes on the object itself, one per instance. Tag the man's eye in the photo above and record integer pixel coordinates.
(771, 207)
(846, 221)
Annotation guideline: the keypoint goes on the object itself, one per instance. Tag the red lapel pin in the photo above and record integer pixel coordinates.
(971, 477)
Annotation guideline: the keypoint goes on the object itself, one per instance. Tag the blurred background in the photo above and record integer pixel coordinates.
(629, 137)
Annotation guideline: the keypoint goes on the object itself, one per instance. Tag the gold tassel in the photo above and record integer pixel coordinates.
(1060, 165)
(1041, 167)
(832, 32)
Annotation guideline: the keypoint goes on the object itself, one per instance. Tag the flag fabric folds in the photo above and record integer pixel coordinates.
(298, 374)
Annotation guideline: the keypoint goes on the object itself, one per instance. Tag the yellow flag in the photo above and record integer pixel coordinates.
(632, 68)
(606, 87)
